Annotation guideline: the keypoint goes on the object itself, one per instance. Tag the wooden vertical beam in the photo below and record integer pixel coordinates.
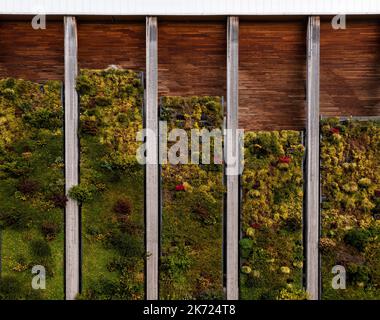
(72, 254)
(152, 168)
(312, 222)
(232, 203)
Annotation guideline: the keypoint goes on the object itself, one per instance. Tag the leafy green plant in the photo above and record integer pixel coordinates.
(81, 192)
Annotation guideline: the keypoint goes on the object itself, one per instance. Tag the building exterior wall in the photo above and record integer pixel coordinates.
(192, 61)
(350, 69)
(31, 54)
(103, 44)
(272, 75)
(192, 58)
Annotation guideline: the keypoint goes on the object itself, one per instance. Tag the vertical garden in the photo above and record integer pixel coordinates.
(350, 178)
(271, 247)
(32, 196)
(111, 189)
(191, 265)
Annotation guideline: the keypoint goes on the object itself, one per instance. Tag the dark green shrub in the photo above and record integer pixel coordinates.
(44, 119)
(85, 86)
(10, 288)
(17, 218)
(246, 246)
(103, 101)
(101, 289)
(82, 193)
(358, 238)
(40, 248)
(126, 245)
(357, 274)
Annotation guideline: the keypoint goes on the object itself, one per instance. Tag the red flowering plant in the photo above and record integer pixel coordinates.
(285, 159)
(335, 130)
(180, 187)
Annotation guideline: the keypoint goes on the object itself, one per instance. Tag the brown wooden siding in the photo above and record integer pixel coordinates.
(350, 69)
(192, 58)
(192, 61)
(272, 75)
(31, 54)
(103, 44)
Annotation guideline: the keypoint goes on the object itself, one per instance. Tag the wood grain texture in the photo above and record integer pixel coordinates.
(192, 61)
(350, 69)
(192, 58)
(30, 54)
(103, 44)
(272, 75)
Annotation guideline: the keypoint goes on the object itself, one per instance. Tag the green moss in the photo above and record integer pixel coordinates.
(191, 262)
(271, 247)
(31, 173)
(113, 240)
(350, 152)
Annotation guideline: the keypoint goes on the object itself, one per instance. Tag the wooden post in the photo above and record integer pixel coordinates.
(312, 205)
(72, 236)
(232, 203)
(152, 167)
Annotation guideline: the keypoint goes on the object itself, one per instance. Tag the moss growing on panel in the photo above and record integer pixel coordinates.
(191, 239)
(350, 176)
(111, 189)
(31, 188)
(271, 246)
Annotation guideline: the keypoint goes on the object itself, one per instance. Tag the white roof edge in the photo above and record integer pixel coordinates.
(189, 7)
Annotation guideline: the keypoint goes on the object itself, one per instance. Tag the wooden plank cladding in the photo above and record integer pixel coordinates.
(30, 54)
(192, 61)
(192, 58)
(103, 44)
(272, 75)
(350, 69)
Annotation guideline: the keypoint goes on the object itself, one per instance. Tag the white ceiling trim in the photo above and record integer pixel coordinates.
(189, 7)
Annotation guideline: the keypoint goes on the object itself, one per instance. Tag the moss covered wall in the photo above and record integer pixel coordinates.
(111, 189)
(31, 188)
(350, 177)
(192, 215)
(271, 247)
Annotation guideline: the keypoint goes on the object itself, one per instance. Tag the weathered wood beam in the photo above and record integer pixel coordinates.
(152, 167)
(312, 205)
(72, 236)
(232, 203)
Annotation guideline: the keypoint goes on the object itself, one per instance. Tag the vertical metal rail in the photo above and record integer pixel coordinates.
(152, 194)
(72, 219)
(312, 217)
(232, 210)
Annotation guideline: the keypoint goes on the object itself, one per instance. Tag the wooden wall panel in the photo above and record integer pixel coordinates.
(272, 75)
(192, 61)
(31, 54)
(103, 44)
(350, 69)
(192, 58)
